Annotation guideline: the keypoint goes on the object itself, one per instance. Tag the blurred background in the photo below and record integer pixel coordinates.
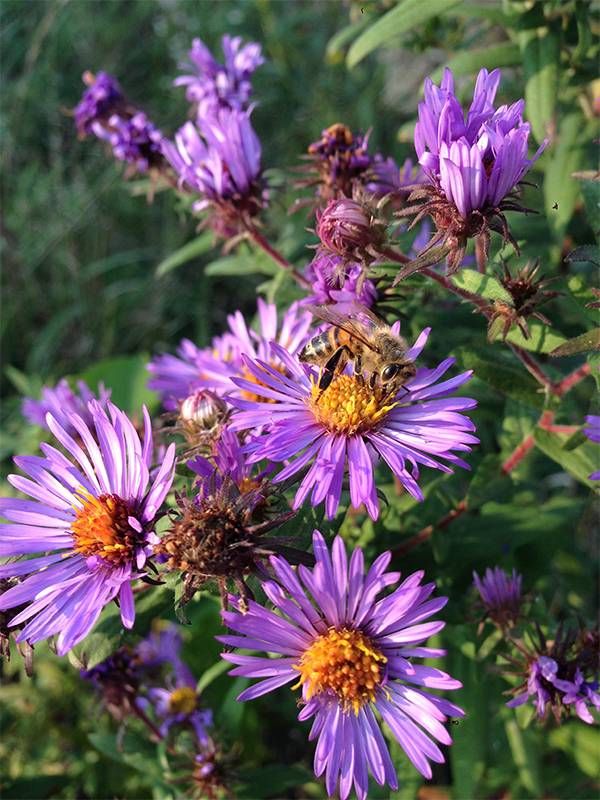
(80, 293)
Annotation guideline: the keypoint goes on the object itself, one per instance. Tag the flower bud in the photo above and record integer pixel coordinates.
(349, 229)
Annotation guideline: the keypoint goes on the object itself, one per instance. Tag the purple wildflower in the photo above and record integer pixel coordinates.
(473, 163)
(177, 377)
(225, 85)
(62, 402)
(93, 515)
(220, 160)
(352, 421)
(335, 281)
(500, 593)
(549, 690)
(99, 101)
(105, 112)
(593, 434)
(351, 653)
(178, 705)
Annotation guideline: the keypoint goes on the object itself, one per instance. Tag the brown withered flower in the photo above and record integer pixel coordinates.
(527, 294)
(220, 533)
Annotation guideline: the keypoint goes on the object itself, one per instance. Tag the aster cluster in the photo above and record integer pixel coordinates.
(558, 675)
(316, 408)
(151, 683)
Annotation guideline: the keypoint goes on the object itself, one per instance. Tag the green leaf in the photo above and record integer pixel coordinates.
(542, 339)
(579, 463)
(468, 62)
(271, 780)
(484, 285)
(587, 252)
(340, 40)
(582, 743)
(470, 735)
(488, 482)
(197, 247)
(242, 263)
(590, 189)
(406, 16)
(580, 344)
(560, 189)
(211, 674)
(525, 757)
(508, 378)
(126, 377)
(540, 50)
(23, 383)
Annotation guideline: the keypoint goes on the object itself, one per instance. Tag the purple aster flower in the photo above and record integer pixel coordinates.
(355, 423)
(549, 691)
(593, 434)
(92, 515)
(473, 164)
(163, 647)
(352, 654)
(105, 112)
(225, 85)
(333, 280)
(500, 593)
(134, 139)
(220, 159)
(118, 679)
(99, 101)
(62, 402)
(178, 705)
(213, 367)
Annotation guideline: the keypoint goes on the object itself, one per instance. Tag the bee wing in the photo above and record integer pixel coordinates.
(346, 322)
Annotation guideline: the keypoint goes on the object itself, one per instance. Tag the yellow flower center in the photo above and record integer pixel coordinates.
(345, 662)
(349, 405)
(182, 700)
(101, 528)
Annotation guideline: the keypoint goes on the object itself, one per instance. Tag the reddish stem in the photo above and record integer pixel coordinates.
(533, 367)
(278, 258)
(564, 386)
(425, 533)
(394, 255)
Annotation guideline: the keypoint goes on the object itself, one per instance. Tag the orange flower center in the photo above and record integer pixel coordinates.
(258, 397)
(101, 528)
(345, 662)
(349, 405)
(182, 700)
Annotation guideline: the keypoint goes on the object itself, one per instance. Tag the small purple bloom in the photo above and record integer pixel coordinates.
(177, 377)
(593, 434)
(225, 85)
(106, 113)
(548, 690)
(99, 101)
(355, 423)
(477, 159)
(500, 593)
(93, 517)
(352, 655)
(335, 281)
(221, 161)
(62, 402)
(349, 229)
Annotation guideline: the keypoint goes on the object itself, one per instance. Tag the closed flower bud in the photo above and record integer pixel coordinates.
(350, 229)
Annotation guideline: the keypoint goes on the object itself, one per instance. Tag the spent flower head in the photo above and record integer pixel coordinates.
(92, 515)
(352, 656)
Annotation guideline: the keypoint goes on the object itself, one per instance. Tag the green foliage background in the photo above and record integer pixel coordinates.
(81, 297)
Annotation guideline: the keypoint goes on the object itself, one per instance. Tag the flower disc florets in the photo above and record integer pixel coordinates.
(349, 405)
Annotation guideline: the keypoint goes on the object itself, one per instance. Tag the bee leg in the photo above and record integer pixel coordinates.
(336, 362)
(372, 380)
(357, 365)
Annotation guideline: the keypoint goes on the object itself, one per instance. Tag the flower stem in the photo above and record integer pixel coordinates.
(426, 533)
(564, 386)
(259, 239)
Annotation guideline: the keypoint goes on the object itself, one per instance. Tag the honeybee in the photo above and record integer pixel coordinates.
(363, 338)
